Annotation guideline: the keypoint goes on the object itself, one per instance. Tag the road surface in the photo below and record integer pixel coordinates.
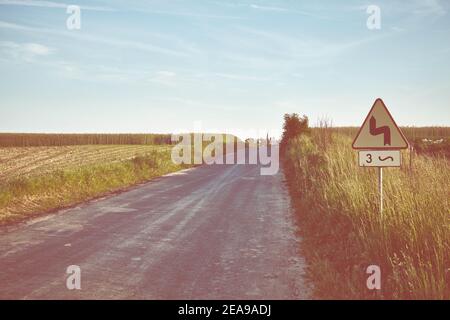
(212, 232)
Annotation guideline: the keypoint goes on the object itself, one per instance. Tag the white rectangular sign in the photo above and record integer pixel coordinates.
(380, 158)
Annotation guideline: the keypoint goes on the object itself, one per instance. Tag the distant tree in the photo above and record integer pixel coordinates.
(293, 126)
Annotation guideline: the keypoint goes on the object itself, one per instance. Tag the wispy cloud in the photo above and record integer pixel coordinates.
(194, 103)
(296, 49)
(24, 51)
(164, 77)
(272, 8)
(188, 14)
(240, 77)
(49, 4)
(416, 7)
(429, 7)
(267, 8)
(289, 10)
(93, 73)
(164, 73)
(129, 44)
(37, 49)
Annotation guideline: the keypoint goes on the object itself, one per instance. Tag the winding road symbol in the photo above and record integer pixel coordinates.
(384, 130)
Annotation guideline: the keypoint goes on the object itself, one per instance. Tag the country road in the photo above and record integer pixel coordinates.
(211, 232)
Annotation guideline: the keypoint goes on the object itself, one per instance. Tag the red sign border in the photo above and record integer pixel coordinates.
(393, 121)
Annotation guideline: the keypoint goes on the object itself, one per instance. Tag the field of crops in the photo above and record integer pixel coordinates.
(424, 140)
(51, 139)
(27, 161)
(411, 133)
(35, 180)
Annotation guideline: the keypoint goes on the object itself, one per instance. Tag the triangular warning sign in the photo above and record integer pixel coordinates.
(379, 131)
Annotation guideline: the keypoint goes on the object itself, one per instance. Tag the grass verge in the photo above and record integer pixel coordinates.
(344, 233)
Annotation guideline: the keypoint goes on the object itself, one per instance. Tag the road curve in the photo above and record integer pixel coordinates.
(212, 232)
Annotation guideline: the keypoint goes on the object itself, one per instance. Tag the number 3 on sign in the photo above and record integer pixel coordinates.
(382, 158)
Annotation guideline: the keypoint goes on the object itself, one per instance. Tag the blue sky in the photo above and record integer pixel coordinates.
(159, 66)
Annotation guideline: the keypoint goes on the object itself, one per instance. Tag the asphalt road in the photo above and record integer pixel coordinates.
(212, 232)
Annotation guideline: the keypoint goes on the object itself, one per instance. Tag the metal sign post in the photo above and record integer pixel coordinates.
(380, 188)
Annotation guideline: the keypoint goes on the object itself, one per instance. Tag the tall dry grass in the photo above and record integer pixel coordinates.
(337, 205)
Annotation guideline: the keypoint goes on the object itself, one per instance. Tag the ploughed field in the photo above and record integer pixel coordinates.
(35, 180)
(20, 162)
